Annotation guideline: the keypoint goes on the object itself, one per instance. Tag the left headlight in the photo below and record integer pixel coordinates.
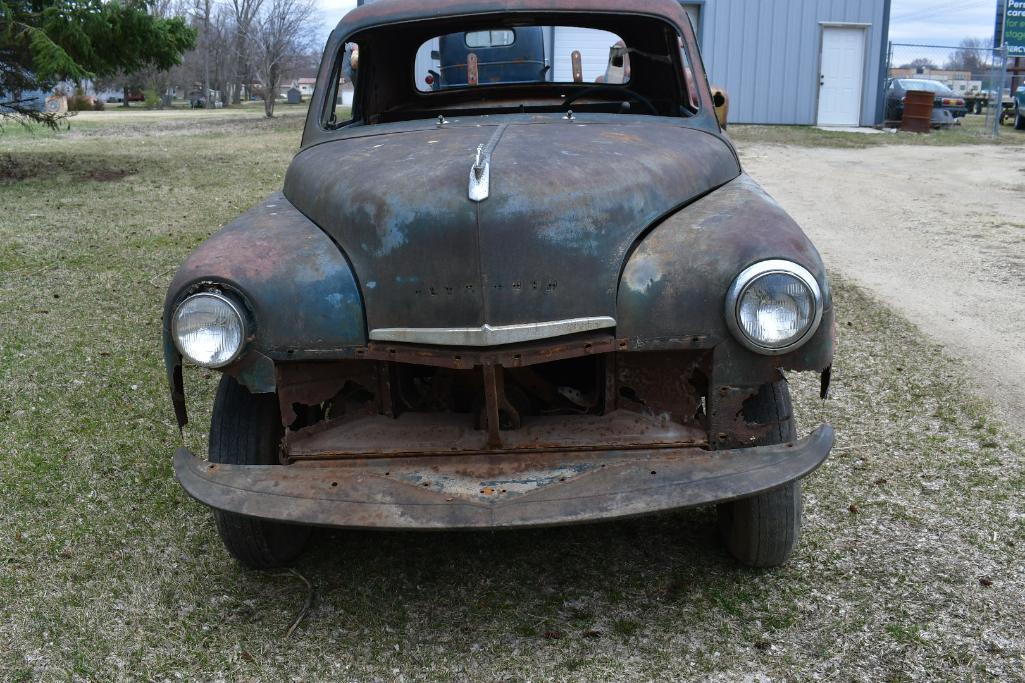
(209, 329)
(774, 306)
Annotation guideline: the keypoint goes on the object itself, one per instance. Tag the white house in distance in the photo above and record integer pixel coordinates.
(807, 62)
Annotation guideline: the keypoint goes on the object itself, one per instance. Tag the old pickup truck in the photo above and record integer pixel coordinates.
(479, 304)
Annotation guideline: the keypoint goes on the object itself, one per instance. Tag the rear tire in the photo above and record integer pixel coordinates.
(246, 430)
(1019, 119)
(762, 531)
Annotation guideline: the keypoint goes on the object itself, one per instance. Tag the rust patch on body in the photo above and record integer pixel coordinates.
(620, 137)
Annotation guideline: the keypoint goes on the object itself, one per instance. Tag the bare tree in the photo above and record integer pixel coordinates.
(203, 13)
(282, 32)
(238, 42)
(972, 56)
(920, 63)
(244, 12)
(222, 52)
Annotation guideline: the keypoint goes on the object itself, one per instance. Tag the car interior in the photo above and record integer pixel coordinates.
(660, 77)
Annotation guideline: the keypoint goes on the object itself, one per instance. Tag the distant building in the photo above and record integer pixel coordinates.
(943, 75)
(810, 62)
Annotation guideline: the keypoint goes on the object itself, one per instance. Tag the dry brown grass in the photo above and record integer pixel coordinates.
(911, 565)
(971, 131)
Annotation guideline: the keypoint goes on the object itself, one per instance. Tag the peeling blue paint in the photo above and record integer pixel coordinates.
(302, 290)
(642, 273)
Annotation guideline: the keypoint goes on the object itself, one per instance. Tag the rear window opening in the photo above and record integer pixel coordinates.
(525, 54)
(499, 38)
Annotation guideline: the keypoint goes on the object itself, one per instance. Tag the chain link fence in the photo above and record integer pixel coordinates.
(975, 75)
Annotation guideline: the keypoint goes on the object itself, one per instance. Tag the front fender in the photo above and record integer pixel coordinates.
(301, 293)
(674, 284)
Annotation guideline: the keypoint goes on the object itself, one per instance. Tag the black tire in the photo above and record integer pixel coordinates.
(245, 430)
(762, 531)
(1019, 119)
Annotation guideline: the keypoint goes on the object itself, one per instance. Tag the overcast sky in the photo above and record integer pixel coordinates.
(934, 22)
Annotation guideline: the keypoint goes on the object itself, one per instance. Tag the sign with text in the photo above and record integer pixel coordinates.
(1014, 28)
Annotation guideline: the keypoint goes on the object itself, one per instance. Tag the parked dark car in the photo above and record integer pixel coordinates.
(510, 304)
(948, 106)
(497, 55)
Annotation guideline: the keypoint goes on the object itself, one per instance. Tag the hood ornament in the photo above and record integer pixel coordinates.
(480, 176)
(478, 164)
(480, 172)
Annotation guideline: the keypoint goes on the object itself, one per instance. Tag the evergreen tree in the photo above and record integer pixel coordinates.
(45, 41)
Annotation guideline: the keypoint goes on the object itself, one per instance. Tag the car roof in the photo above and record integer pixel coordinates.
(384, 12)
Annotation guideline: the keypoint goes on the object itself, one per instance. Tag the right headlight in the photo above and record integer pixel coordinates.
(774, 306)
(209, 329)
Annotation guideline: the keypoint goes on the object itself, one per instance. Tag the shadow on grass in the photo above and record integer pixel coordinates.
(582, 582)
(20, 167)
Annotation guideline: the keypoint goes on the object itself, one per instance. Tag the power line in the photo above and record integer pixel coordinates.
(949, 8)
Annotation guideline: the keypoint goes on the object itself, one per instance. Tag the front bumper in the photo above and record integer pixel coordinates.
(497, 491)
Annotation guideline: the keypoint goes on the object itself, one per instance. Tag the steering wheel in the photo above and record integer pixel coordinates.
(634, 95)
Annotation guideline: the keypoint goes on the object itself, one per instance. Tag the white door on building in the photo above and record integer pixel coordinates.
(842, 70)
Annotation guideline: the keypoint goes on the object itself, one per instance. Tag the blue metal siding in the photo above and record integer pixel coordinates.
(766, 54)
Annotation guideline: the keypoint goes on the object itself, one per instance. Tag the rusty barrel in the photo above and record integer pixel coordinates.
(917, 111)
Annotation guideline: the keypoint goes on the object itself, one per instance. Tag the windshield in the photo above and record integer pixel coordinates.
(521, 54)
(931, 86)
(605, 64)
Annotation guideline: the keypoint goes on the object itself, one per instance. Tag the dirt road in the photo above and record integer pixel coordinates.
(936, 232)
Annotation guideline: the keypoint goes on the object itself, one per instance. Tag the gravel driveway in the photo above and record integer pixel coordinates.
(936, 232)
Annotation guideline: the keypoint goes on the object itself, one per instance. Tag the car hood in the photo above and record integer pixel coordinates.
(567, 201)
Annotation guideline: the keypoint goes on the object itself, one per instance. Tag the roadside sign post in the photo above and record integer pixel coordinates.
(1012, 44)
(997, 86)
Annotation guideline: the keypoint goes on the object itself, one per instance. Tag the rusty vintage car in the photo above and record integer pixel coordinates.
(505, 304)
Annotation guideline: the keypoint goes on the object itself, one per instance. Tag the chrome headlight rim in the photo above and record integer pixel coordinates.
(237, 308)
(752, 274)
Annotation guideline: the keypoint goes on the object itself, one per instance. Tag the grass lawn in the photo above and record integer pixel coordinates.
(912, 563)
(972, 131)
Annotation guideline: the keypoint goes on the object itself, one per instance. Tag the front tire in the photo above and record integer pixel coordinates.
(246, 430)
(762, 531)
(1019, 119)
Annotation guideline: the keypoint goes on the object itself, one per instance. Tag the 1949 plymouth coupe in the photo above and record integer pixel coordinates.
(480, 304)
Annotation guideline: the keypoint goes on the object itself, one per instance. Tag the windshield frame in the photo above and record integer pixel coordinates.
(624, 22)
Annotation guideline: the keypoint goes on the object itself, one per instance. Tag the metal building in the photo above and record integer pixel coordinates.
(810, 62)
(813, 62)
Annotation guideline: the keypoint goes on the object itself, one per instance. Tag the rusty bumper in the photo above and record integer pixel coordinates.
(501, 491)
